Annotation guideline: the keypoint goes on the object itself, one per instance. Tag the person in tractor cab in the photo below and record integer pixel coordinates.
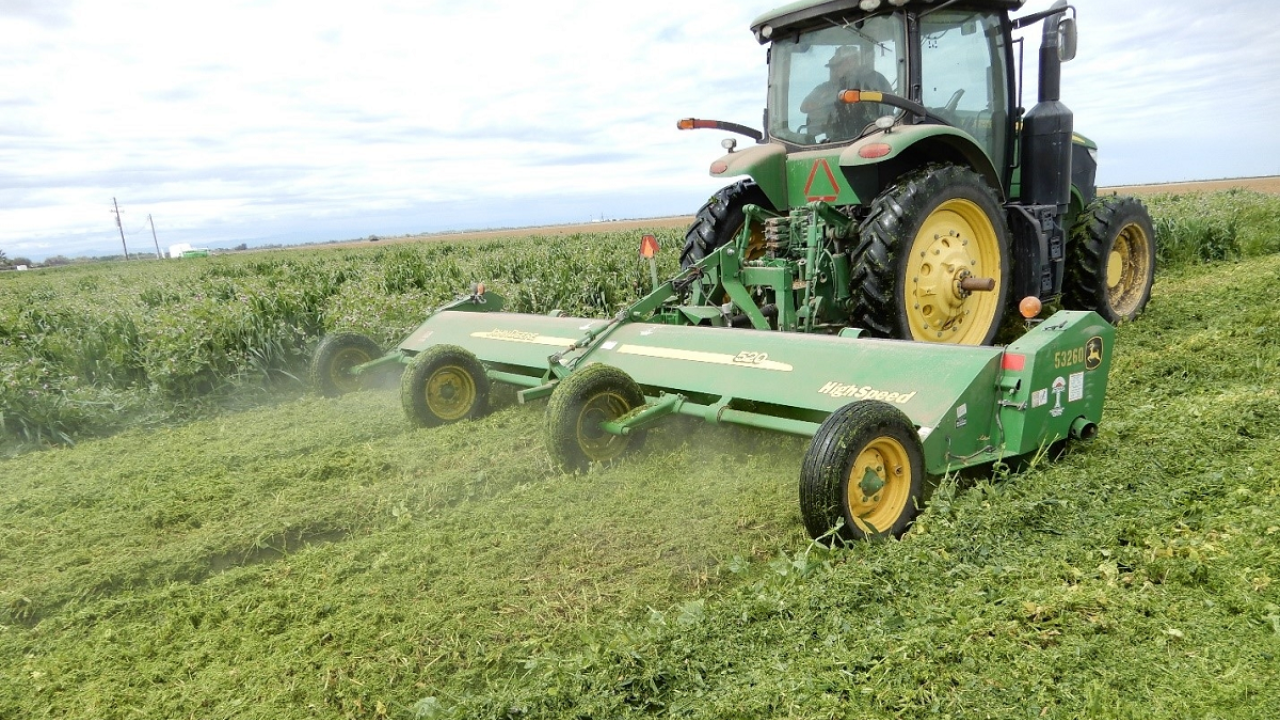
(851, 69)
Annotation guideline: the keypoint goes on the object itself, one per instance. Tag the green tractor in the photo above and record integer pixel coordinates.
(904, 117)
(907, 199)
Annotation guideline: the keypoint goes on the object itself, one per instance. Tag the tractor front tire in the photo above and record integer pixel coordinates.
(720, 220)
(1112, 261)
(444, 384)
(595, 394)
(863, 475)
(331, 364)
(923, 237)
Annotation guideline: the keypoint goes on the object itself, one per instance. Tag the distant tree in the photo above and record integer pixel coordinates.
(20, 261)
(57, 260)
(3, 260)
(241, 246)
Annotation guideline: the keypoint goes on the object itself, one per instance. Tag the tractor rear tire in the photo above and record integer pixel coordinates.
(863, 475)
(922, 237)
(586, 398)
(720, 220)
(444, 384)
(1112, 260)
(331, 364)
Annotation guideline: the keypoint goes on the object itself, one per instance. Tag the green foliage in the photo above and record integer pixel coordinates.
(92, 348)
(1228, 225)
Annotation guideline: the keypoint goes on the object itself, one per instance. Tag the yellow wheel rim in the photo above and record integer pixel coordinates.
(340, 369)
(1128, 268)
(597, 444)
(957, 241)
(451, 393)
(879, 485)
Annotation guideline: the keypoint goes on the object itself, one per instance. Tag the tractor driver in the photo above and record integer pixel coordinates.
(851, 69)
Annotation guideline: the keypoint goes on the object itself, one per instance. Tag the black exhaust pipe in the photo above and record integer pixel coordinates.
(1046, 153)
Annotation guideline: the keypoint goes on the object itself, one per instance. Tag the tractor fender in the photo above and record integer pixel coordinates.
(765, 163)
(920, 145)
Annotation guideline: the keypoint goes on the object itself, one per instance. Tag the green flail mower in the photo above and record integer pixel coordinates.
(884, 415)
(850, 290)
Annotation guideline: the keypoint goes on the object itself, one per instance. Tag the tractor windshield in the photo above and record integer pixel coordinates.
(964, 78)
(809, 70)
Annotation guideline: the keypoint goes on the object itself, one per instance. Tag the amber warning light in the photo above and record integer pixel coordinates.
(696, 124)
(857, 96)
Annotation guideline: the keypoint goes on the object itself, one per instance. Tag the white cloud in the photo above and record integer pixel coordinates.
(273, 118)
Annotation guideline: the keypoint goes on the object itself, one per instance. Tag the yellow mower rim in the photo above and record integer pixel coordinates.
(883, 461)
(340, 368)
(596, 444)
(450, 393)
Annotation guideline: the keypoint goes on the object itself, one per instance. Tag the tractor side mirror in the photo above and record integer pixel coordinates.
(1066, 39)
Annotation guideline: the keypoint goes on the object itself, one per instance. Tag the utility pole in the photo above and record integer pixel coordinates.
(153, 237)
(121, 226)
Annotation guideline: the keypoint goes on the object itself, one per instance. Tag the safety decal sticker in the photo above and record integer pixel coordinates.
(1040, 398)
(1059, 387)
(1076, 390)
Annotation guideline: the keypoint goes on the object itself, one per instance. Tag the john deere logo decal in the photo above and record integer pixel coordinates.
(1093, 353)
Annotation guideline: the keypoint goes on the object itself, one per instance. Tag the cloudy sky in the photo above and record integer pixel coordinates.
(289, 120)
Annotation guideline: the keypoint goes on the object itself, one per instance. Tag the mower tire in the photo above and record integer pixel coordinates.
(595, 394)
(720, 220)
(923, 237)
(1111, 262)
(863, 474)
(331, 364)
(444, 384)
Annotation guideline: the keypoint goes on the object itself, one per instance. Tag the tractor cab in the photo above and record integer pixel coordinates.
(953, 61)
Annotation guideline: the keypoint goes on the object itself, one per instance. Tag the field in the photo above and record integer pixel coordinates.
(186, 531)
(1268, 185)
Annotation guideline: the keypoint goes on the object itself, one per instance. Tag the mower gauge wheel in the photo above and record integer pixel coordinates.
(333, 359)
(863, 474)
(581, 402)
(444, 384)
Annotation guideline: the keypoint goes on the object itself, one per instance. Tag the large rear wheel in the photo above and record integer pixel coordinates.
(580, 403)
(863, 474)
(335, 356)
(1112, 261)
(932, 262)
(720, 220)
